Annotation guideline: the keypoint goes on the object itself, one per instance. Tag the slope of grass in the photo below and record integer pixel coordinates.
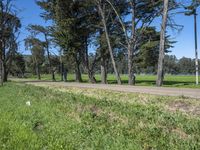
(85, 119)
(141, 80)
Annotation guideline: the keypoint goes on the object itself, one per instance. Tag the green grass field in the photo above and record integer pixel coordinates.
(94, 119)
(141, 80)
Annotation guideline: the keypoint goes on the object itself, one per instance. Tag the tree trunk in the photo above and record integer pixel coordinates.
(38, 72)
(61, 67)
(1, 71)
(90, 69)
(91, 76)
(62, 71)
(5, 73)
(53, 75)
(49, 60)
(103, 71)
(160, 73)
(130, 66)
(109, 45)
(4, 66)
(1, 62)
(131, 46)
(78, 77)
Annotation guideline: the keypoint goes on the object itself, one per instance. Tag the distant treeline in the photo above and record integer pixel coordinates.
(23, 64)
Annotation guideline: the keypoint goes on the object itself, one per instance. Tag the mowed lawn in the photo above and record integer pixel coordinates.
(185, 81)
(70, 118)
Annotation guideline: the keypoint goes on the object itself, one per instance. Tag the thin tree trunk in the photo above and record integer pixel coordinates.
(49, 60)
(61, 71)
(1, 62)
(130, 66)
(5, 73)
(131, 46)
(90, 70)
(160, 73)
(50, 67)
(4, 68)
(1, 71)
(109, 45)
(38, 72)
(61, 66)
(130, 42)
(196, 49)
(103, 71)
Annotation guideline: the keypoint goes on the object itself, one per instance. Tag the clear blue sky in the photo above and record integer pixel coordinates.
(30, 14)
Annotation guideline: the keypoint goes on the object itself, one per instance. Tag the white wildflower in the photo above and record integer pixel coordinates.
(28, 103)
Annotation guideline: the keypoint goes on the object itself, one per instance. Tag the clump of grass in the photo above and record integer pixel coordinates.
(69, 120)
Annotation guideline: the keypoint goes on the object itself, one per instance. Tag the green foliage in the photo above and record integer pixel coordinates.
(37, 49)
(18, 65)
(148, 49)
(9, 31)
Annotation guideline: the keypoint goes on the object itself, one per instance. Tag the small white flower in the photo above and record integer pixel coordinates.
(28, 103)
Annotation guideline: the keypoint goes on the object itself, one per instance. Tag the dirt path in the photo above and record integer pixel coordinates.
(193, 93)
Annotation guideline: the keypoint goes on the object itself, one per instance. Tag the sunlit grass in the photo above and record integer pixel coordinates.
(85, 119)
(141, 80)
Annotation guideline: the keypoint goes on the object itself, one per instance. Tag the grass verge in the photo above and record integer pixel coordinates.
(72, 118)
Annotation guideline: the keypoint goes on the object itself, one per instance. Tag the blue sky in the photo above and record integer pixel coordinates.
(30, 14)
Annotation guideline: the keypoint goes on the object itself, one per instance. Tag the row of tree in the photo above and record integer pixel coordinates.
(24, 66)
(95, 36)
(111, 26)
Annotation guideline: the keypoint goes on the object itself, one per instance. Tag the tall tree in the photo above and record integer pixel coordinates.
(160, 73)
(10, 24)
(37, 49)
(46, 32)
(142, 14)
(102, 9)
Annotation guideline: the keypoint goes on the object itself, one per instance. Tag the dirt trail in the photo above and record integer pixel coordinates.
(165, 91)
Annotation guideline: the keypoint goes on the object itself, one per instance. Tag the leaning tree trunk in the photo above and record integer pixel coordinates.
(160, 73)
(103, 54)
(109, 45)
